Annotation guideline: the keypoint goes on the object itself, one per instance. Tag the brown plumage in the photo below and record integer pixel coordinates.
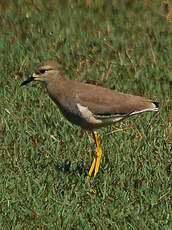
(87, 105)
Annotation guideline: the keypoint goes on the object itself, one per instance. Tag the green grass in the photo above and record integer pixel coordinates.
(124, 45)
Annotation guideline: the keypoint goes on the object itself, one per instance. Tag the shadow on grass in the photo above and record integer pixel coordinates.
(67, 168)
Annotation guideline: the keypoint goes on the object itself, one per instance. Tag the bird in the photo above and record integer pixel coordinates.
(87, 105)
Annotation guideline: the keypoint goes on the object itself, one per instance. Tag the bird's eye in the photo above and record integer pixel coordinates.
(42, 71)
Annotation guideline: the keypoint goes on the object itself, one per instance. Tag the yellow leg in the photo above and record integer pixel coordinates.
(96, 162)
(92, 168)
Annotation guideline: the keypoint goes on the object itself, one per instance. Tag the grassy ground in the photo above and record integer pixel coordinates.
(122, 45)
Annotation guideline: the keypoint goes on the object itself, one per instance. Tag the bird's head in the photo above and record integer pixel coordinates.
(46, 72)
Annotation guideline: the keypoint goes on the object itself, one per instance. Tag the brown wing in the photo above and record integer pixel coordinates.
(103, 101)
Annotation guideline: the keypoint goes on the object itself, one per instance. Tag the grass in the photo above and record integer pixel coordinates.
(44, 159)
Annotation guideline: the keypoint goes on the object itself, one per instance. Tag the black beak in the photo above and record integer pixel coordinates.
(27, 81)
